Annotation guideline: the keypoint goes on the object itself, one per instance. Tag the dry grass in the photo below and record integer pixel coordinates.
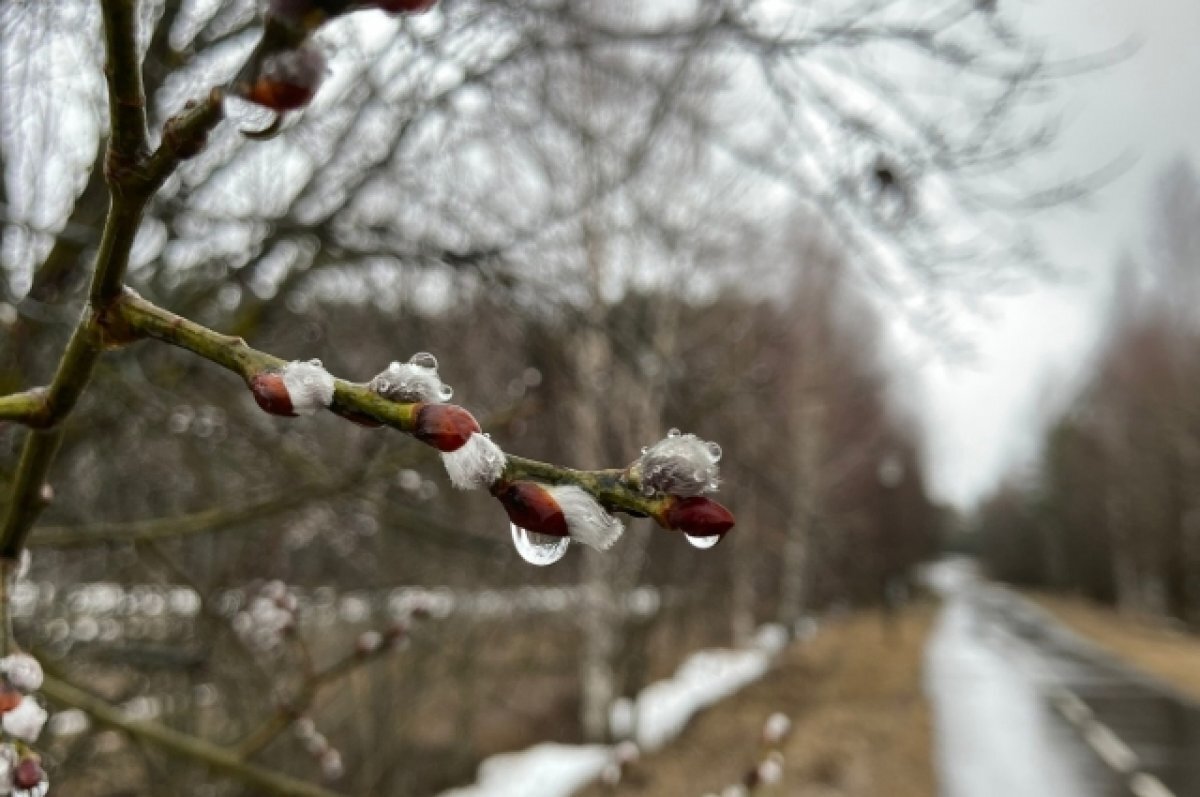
(861, 726)
(1144, 643)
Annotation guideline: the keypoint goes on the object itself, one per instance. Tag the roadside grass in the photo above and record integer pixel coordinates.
(860, 723)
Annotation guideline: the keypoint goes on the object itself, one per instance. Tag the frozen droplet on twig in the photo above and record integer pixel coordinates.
(413, 381)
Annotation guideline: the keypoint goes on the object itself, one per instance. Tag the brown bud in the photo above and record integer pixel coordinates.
(698, 516)
(446, 427)
(272, 394)
(531, 507)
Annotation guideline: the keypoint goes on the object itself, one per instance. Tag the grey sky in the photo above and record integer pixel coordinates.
(985, 419)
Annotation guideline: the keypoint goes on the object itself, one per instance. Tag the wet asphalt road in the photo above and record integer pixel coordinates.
(1025, 708)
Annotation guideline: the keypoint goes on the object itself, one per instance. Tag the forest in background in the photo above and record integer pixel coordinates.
(1112, 511)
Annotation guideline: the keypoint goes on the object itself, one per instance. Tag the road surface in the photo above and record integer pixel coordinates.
(1025, 708)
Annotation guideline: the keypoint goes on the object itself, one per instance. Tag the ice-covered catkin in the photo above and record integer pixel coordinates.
(23, 671)
(309, 386)
(478, 463)
(587, 521)
(679, 464)
(413, 381)
(25, 721)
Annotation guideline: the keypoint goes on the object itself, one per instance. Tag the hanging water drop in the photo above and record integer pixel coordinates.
(539, 549)
(714, 451)
(673, 432)
(445, 392)
(703, 543)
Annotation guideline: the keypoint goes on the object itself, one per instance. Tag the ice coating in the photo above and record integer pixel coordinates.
(413, 381)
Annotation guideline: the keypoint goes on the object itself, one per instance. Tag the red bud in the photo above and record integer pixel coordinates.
(29, 773)
(446, 427)
(699, 516)
(10, 696)
(287, 80)
(531, 507)
(272, 394)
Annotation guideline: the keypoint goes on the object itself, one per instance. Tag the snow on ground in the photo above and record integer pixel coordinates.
(661, 711)
(544, 770)
(664, 708)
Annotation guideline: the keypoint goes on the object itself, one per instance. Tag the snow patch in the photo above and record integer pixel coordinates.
(545, 770)
(660, 711)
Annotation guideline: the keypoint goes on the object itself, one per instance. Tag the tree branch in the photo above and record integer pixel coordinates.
(218, 758)
(137, 317)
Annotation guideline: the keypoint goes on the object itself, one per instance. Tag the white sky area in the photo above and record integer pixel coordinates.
(984, 418)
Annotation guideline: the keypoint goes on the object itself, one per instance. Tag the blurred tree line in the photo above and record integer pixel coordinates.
(1114, 510)
(605, 220)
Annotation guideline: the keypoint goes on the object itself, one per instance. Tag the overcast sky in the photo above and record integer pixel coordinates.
(984, 419)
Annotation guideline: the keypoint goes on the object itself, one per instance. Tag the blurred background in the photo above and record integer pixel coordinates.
(925, 271)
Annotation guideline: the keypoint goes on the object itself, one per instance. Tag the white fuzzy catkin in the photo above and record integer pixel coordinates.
(23, 671)
(477, 463)
(25, 721)
(413, 381)
(309, 386)
(587, 521)
(680, 464)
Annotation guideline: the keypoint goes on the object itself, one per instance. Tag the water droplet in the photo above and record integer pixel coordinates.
(714, 451)
(673, 432)
(382, 386)
(702, 543)
(645, 449)
(539, 549)
(445, 392)
(314, 361)
(424, 359)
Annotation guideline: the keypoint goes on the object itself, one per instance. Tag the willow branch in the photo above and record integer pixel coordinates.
(137, 318)
(217, 758)
(28, 407)
(132, 178)
(309, 690)
(176, 526)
